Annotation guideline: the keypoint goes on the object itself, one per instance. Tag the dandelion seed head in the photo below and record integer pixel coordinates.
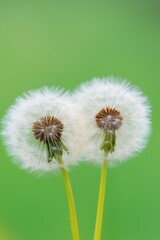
(115, 117)
(38, 127)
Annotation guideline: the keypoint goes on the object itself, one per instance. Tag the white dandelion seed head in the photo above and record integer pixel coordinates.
(117, 105)
(25, 134)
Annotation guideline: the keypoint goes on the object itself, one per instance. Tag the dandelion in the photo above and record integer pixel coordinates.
(115, 125)
(38, 132)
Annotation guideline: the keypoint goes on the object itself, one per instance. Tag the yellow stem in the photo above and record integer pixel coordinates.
(72, 210)
(98, 227)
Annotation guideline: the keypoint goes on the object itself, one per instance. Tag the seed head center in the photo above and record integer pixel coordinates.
(47, 129)
(109, 118)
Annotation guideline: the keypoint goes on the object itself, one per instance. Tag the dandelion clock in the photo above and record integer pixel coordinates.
(115, 125)
(38, 132)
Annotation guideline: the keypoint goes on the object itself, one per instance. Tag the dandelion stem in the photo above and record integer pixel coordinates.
(72, 210)
(98, 227)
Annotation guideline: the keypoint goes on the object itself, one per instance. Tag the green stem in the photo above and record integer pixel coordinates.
(98, 227)
(72, 210)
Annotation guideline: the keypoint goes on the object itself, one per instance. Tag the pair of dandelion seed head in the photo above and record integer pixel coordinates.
(102, 118)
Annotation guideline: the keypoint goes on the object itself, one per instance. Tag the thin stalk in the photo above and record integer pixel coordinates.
(72, 210)
(102, 189)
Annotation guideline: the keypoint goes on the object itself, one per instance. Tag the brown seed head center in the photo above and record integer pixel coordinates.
(109, 118)
(47, 129)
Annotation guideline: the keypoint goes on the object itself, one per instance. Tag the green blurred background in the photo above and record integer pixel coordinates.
(65, 43)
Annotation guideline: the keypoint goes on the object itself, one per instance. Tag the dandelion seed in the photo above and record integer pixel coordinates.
(38, 132)
(115, 124)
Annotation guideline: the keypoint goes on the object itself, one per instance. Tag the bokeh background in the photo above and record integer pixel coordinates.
(64, 43)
